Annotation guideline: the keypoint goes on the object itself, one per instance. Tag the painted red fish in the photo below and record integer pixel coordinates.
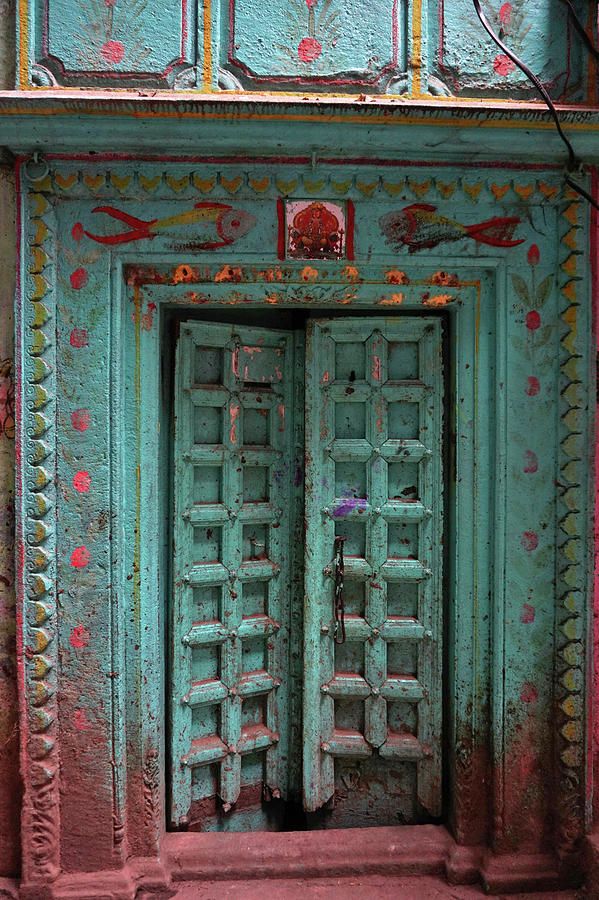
(230, 224)
(420, 227)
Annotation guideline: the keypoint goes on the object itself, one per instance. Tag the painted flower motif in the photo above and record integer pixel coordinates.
(311, 3)
(109, 3)
(112, 51)
(534, 255)
(503, 64)
(309, 49)
(533, 320)
(505, 14)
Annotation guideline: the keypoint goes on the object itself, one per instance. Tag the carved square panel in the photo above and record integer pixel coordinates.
(341, 44)
(118, 42)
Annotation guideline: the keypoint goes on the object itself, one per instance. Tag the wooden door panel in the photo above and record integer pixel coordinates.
(230, 605)
(372, 710)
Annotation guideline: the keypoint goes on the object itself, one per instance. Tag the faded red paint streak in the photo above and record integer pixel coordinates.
(531, 462)
(147, 319)
(79, 637)
(530, 540)
(533, 386)
(80, 557)
(376, 368)
(79, 278)
(234, 414)
(77, 231)
(82, 481)
(281, 412)
(527, 616)
(529, 693)
(527, 775)
(79, 338)
(80, 419)
(80, 720)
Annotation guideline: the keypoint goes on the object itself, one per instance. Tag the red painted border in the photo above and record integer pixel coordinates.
(304, 160)
(350, 221)
(390, 67)
(281, 241)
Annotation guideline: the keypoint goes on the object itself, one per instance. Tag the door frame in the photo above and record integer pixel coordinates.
(474, 331)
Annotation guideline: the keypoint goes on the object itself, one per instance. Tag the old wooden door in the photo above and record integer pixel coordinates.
(370, 562)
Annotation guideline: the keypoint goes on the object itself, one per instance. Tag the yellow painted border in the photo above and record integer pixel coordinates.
(23, 66)
(207, 67)
(238, 115)
(415, 61)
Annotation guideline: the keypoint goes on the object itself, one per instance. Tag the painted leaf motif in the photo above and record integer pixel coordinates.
(521, 289)
(543, 335)
(543, 291)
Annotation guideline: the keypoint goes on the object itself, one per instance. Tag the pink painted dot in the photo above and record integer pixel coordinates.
(113, 51)
(529, 693)
(82, 481)
(79, 637)
(533, 320)
(80, 720)
(309, 49)
(503, 65)
(77, 231)
(531, 462)
(528, 614)
(533, 386)
(80, 557)
(530, 540)
(80, 419)
(79, 337)
(534, 255)
(79, 279)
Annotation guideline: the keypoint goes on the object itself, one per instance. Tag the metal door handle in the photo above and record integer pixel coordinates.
(339, 599)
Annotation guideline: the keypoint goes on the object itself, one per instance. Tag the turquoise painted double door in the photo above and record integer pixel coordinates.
(307, 587)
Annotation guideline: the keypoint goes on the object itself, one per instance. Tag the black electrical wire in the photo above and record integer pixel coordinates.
(581, 29)
(573, 161)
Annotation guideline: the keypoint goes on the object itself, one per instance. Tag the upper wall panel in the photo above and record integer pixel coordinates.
(390, 47)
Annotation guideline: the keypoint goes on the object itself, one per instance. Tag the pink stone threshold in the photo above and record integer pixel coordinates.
(372, 887)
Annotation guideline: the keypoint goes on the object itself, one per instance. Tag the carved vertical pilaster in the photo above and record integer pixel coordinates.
(36, 535)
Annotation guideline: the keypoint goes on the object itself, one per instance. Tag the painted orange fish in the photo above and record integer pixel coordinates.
(420, 227)
(230, 225)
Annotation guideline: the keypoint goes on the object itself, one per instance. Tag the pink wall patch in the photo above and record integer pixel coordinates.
(80, 720)
(79, 637)
(529, 693)
(79, 279)
(530, 540)
(82, 481)
(79, 337)
(80, 419)
(533, 386)
(80, 557)
(531, 462)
